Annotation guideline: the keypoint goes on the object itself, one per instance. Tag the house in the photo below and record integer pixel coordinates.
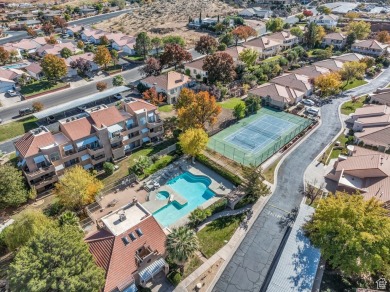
(51, 14)
(195, 69)
(335, 39)
(12, 15)
(264, 46)
(27, 46)
(364, 171)
(89, 139)
(284, 38)
(257, 25)
(277, 96)
(234, 52)
(169, 84)
(34, 23)
(381, 97)
(9, 47)
(311, 71)
(197, 23)
(256, 12)
(87, 57)
(128, 48)
(56, 49)
(6, 84)
(369, 47)
(349, 57)
(129, 247)
(369, 116)
(327, 21)
(91, 35)
(34, 70)
(26, 16)
(332, 65)
(294, 81)
(118, 43)
(11, 74)
(71, 30)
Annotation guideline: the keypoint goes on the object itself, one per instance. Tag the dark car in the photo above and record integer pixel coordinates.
(25, 111)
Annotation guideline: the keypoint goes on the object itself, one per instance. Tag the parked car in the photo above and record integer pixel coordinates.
(308, 102)
(118, 96)
(12, 93)
(313, 111)
(50, 119)
(82, 108)
(25, 111)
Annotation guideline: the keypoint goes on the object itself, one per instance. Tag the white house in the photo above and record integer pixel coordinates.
(129, 49)
(256, 12)
(118, 44)
(325, 20)
(91, 35)
(369, 47)
(335, 39)
(265, 46)
(195, 69)
(284, 38)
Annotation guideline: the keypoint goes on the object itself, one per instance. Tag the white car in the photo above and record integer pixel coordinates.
(308, 102)
(118, 96)
(12, 93)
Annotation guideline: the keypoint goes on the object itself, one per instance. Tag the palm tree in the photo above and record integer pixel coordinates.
(181, 245)
(68, 218)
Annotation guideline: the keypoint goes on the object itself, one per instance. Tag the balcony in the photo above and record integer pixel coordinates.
(116, 139)
(155, 134)
(98, 159)
(95, 151)
(44, 182)
(155, 124)
(118, 152)
(39, 172)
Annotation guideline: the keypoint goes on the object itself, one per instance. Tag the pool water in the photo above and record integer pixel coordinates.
(15, 66)
(194, 188)
(163, 195)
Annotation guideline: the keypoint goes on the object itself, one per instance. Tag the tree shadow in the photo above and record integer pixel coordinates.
(289, 219)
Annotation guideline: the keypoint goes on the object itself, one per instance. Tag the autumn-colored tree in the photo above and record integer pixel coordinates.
(174, 55)
(47, 28)
(152, 67)
(383, 37)
(4, 55)
(151, 95)
(275, 24)
(101, 86)
(328, 83)
(369, 61)
(53, 67)
(13, 55)
(243, 32)
(249, 56)
(103, 40)
(206, 45)
(37, 106)
(361, 28)
(142, 44)
(80, 45)
(352, 70)
(314, 34)
(102, 56)
(324, 10)
(157, 44)
(352, 233)
(195, 110)
(351, 15)
(307, 13)
(220, 67)
(193, 141)
(51, 40)
(31, 32)
(77, 188)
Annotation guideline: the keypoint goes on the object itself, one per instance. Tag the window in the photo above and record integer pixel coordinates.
(125, 240)
(132, 236)
(139, 232)
(54, 156)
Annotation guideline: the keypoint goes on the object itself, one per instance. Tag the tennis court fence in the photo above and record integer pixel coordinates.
(247, 158)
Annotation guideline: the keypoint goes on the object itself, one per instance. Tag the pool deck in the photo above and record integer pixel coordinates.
(154, 204)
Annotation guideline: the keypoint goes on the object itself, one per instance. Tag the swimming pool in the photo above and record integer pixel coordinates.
(16, 66)
(194, 188)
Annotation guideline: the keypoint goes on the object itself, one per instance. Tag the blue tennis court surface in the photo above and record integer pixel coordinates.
(256, 138)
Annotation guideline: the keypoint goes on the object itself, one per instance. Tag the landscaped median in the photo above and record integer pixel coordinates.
(41, 87)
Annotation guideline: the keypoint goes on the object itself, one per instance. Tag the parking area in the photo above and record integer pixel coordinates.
(7, 100)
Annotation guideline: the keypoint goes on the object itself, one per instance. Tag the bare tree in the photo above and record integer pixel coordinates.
(312, 191)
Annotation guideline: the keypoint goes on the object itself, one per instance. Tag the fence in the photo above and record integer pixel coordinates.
(165, 151)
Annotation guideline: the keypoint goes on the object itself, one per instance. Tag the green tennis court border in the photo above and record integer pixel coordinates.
(231, 151)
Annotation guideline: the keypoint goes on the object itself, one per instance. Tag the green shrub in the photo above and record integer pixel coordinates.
(218, 206)
(53, 210)
(222, 47)
(174, 278)
(218, 169)
(108, 168)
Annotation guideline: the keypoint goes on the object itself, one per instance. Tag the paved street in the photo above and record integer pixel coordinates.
(250, 264)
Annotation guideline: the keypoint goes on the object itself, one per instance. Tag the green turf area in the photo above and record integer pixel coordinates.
(230, 103)
(216, 234)
(17, 128)
(350, 107)
(166, 108)
(334, 153)
(133, 58)
(269, 173)
(40, 87)
(272, 59)
(352, 84)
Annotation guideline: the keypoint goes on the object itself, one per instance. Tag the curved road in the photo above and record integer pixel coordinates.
(249, 266)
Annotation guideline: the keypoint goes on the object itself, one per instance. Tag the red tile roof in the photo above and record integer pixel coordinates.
(78, 129)
(30, 144)
(118, 259)
(140, 104)
(106, 117)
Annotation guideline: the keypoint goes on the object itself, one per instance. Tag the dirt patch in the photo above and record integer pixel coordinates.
(206, 278)
(161, 18)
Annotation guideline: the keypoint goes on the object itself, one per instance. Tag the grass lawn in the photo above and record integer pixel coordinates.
(350, 107)
(352, 84)
(215, 235)
(14, 129)
(272, 59)
(40, 87)
(334, 153)
(230, 103)
(133, 58)
(269, 172)
(166, 108)
(190, 266)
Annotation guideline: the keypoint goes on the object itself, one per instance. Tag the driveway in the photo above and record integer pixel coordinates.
(249, 266)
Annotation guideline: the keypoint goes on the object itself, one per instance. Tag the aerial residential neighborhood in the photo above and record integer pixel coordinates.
(194, 146)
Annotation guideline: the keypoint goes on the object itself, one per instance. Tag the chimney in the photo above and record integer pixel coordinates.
(182, 77)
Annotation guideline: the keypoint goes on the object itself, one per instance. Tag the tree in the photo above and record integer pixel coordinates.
(77, 188)
(314, 34)
(198, 215)
(275, 24)
(252, 103)
(324, 10)
(13, 55)
(300, 17)
(307, 13)
(102, 56)
(351, 38)
(4, 55)
(368, 61)
(67, 17)
(328, 83)
(37, 106)
(352, 233)
(26, 226)
(152, 96)
(157, 44)
(51, 40)
(31, 32)
(103, 41)
(193, 141)
(152, 67)
(142, 44)
(57, 259)
(68, 218)
(174, 55)
(243, 32)
(249, 56)
(53, 67)
(82, 65)
(142, 163)
(239, 111)
(361, 28)
(296, 31)
(114, 56)
(101, 86)
(253, 184)
(194, 110)
(181, 244)
(220, 67)
(351, 15)
(383, 37)
(47, 28)
(206, 45)
(118, 80)
(66, 53)
(352, 70)
(174, 39)
(109, 168)
(80, 45)
(60, 22)
(227, 39)
(312, 191)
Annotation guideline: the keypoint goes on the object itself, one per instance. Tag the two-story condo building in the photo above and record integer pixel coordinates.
(328, 21)
(335, 39)
(369, 47)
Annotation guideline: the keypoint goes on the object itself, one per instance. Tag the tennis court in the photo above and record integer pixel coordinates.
(256, 138)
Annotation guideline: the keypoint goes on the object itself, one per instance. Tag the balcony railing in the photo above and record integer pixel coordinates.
(155, 134)
(116, 139)
(45, 181)
(39, 172)
(151, 125)
(95, 151)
